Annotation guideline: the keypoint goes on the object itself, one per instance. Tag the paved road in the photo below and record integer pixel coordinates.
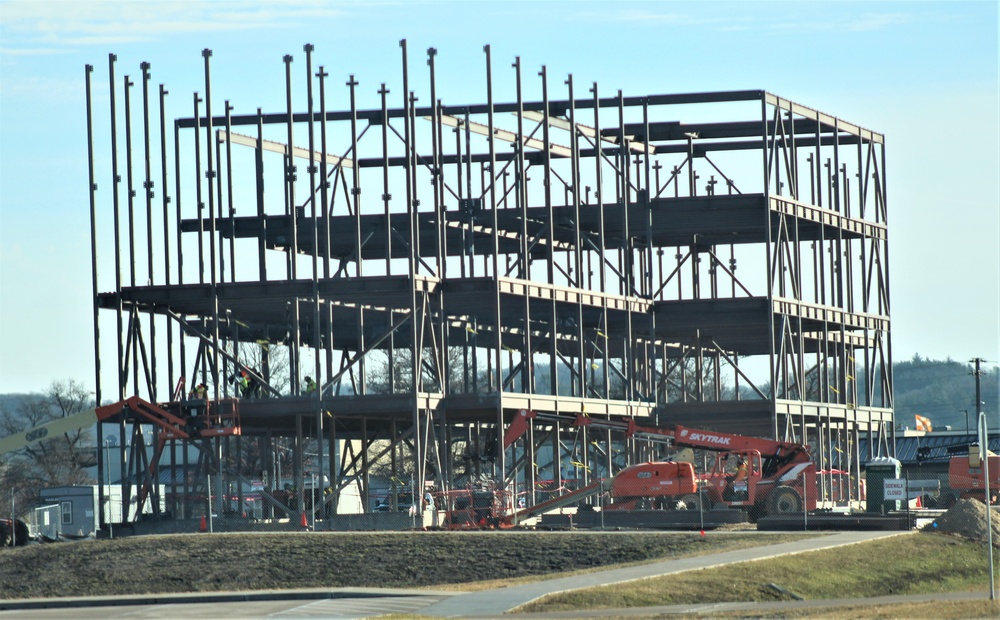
(366, 603)
(328, 603)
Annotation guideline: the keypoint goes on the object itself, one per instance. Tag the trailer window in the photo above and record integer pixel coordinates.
(67, 512)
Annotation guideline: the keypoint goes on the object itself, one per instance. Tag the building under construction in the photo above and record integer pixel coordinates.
(717, 260)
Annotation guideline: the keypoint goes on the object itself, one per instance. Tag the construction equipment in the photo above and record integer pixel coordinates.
(966, 475)
(778, 477)
(472, 509)
(664, 485)
(965, 470)
(188, 420)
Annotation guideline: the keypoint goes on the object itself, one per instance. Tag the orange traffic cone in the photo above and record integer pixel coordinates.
(303, 522)
(204, 526)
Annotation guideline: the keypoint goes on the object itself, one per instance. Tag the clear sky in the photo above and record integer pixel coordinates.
(925, 74)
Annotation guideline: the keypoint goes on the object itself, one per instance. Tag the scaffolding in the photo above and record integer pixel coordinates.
(717, 260)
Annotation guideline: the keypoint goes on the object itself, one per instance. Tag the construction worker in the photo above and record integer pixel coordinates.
(741, 469)
(310, 385)
(256, 387)
(738, 483)
(243, 383)
(194, 422)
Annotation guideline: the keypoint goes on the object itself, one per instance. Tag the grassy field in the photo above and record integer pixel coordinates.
(915, 564)
(234, 562)
(909, 564)
(930, 610)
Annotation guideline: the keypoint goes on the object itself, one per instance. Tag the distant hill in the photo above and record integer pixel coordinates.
(12, 402)
(943, 391)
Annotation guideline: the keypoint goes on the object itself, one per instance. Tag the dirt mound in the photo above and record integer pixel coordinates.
(967, 518)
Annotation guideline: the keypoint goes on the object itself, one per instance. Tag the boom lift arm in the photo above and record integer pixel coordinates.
(676, 435)
(185, 420)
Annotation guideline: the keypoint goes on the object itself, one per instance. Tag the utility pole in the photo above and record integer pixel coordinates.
(978, 373)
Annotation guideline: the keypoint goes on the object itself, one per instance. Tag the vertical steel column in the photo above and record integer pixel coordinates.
(335, 471)
(293, 216)
(93, 274)
(469, 228)
(602, 274)
(134, 325)
(627, 266)
(166, 235)
(386, 196)
(887, 396)
(317, 328)
(327, 209)
(177, 234)
(495, 249)
(649, 353)
(575, 185)
(624, 198)
(551, 238)
(259, 179)
(229, 194)
(290, 177)
(356, 179)
(414, 198)
(440, 210)
(209, 175)
(420, 439)
(365, 480)
(213, 141)
(148, 186)
(773, 371)
(521, 203)
(437, 177)
(201, 204)
(298, 473)
(325, 182)
(577, 240)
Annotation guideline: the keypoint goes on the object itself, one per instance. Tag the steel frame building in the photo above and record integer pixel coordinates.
(717, 260)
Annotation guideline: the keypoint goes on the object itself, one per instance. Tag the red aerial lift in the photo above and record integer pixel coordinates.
(189, 420)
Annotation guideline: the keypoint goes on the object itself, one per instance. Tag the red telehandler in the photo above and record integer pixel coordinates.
(776, 477)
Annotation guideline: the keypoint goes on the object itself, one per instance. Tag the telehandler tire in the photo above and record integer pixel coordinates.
(783, 501)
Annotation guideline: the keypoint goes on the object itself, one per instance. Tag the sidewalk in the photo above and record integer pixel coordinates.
(500, 601)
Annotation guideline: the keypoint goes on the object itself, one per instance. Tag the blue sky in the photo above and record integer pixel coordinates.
(923, 73)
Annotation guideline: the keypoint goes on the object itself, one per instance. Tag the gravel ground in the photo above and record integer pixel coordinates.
(218, 562)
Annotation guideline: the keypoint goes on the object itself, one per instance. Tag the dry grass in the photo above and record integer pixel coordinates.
(930, 610)
(916, 564)
(240, 562)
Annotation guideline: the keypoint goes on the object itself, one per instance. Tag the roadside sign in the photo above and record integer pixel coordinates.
(895, 488)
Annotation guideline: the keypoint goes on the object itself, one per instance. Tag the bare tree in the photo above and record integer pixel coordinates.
(59, 461)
